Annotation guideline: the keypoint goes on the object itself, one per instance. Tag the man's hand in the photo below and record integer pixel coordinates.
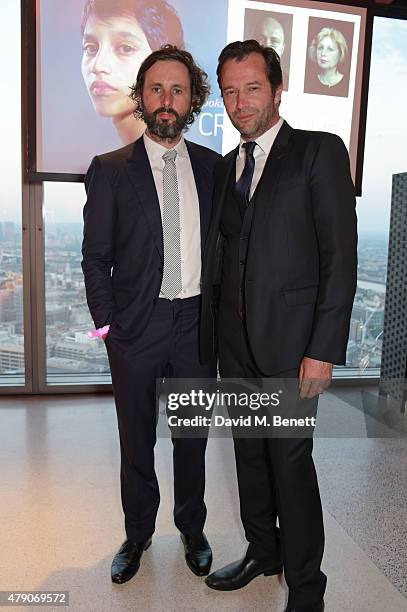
(315, 376)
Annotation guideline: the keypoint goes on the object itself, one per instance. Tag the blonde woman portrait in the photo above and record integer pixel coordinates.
(329, 61)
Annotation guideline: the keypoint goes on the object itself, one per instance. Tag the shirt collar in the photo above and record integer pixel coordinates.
(265, 141)
(155, 150)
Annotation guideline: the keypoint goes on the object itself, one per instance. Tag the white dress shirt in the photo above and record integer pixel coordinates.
(260, 153)
(190, 224)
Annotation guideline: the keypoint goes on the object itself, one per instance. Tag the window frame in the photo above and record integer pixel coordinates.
(33, 244)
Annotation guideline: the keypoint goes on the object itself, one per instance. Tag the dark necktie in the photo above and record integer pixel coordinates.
(242, 187)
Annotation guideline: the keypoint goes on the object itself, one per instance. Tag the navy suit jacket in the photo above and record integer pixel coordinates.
(123, 240)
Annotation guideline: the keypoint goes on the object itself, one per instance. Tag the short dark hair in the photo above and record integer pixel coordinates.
(240, 50)
(199, 79)
(158, 19)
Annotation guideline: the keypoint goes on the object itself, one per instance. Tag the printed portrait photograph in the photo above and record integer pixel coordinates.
(272, 30)
(329, 57)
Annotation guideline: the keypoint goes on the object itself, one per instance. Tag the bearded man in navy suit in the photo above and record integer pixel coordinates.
(146, 220)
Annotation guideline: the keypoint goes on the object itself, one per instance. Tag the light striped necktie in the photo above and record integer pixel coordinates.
(172, 281)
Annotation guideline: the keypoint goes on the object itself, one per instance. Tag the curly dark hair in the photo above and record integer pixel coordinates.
(240, 50)
(200, 88)
(158, 19)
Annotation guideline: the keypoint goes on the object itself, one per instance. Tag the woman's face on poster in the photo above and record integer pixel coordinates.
(327, 53)
(112, 53)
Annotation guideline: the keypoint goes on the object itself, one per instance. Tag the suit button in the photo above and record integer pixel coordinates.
(242, 262)
(160, 270)
(154, 300)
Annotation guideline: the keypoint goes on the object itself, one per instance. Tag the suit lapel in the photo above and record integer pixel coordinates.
(269, 177)
(203, 184)
(266, 188)
(141, 176)
(226, 168)
(222, 179)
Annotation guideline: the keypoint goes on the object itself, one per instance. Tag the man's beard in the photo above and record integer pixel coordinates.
(163, 129)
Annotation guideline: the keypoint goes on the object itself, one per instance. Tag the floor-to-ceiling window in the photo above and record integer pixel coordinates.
(67, 355)
(71, 356)
(385, 155)
(12, 354)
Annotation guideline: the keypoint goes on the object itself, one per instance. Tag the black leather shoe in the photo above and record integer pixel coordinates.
(126, 562)
(238, 574)
(319, 607)
(198, 553)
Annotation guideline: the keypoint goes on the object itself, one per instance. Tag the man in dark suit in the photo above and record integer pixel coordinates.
(278, 285)
(146, 219)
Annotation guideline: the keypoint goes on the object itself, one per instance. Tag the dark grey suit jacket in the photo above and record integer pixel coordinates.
(301, 266)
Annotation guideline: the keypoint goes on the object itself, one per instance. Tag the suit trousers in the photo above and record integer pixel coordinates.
(276, 478)
(167, 348)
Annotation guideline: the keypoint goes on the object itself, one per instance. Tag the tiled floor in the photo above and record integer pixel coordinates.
(61, 521)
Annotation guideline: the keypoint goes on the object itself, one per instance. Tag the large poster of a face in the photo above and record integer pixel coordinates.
(115, 41)
(89, 53)
(274, 30)
(329, 56)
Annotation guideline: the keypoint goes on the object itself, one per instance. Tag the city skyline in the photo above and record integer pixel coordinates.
(70, 352)
(386, 132)
(67, 316)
